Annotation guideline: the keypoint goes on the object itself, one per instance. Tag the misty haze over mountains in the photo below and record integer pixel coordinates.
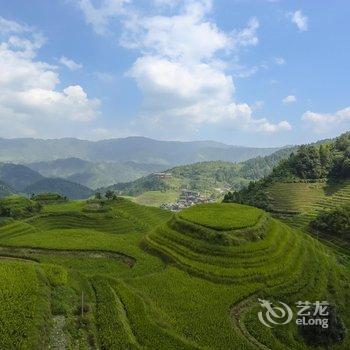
(135, 149)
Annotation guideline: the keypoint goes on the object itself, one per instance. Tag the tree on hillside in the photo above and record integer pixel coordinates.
(335, 222)
(316, 335)
(342, 143)
(98, 195)
(325, 158)
(307, 163)
(109, 194)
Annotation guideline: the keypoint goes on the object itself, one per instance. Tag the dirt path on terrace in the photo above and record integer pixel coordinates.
(24, 253)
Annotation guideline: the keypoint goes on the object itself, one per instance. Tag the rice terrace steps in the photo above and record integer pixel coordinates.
(136, 277)
(297, 203)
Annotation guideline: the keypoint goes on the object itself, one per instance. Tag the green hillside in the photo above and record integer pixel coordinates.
(202, 293)
(18, 207)
(63, 187)
(313, 179)
(210, 178)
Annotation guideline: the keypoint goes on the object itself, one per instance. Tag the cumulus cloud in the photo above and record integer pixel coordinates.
(30, 102)
(180, 72)
(289, 99)
(326, 122)
(300, 20)
(70, 64)
(183, 60)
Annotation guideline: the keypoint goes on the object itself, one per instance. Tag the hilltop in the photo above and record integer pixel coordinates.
(18, 176)
(63, 187)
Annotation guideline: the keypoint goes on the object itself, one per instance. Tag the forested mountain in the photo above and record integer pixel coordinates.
(136, 149)
(5, 190)
(209, 177)
(18, 176)
(63, 187)
(92, 174)
(325, 162)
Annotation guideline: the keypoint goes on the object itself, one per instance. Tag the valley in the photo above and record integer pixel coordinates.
(108, 272)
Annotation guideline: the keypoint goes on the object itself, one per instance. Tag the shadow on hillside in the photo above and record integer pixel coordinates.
(333, 186)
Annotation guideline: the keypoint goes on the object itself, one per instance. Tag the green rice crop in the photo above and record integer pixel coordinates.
(24, 306)
(216, 261)
(226, 216)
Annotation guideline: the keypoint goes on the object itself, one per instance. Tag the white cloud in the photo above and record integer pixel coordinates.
(180, 74)
(279, 61)
(289, 99)
(70, 64)
(247, 36)
(300, 20)
(263, 125)
(11, 27)
(99, 18)
(30, 102)
(325, 122)
(186, 36)
(182, 63)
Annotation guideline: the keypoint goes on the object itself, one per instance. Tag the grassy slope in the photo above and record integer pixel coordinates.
(184, 305)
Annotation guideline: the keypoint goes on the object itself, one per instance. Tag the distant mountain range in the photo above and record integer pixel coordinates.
(74, 167)
(92, 174)
(131, 149)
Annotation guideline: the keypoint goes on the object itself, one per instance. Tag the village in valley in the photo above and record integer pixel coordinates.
(186, 199)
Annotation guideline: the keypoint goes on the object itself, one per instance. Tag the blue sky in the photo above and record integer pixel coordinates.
(261, 73)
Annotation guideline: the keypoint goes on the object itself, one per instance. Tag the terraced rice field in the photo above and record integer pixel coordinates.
(298, 203)
(136, 277)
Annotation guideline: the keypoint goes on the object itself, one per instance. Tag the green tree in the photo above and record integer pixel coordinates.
(109, 194)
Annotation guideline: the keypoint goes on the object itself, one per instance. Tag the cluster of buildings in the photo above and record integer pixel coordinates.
(186, 199)
(162, 176)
